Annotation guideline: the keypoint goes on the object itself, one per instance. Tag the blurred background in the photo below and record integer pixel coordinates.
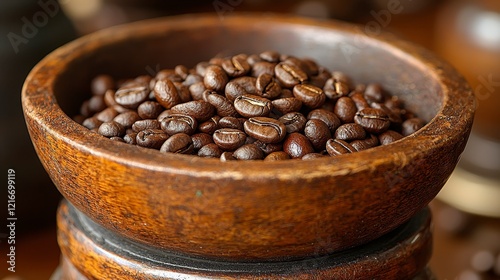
(466, 33)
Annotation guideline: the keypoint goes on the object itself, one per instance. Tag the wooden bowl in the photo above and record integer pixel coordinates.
(246, 211)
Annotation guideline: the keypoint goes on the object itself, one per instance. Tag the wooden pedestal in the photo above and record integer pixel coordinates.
(92, 252)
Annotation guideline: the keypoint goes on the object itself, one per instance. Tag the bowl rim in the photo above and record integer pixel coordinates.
(448, 125)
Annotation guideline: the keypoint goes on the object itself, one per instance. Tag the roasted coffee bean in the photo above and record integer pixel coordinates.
(268, 148)
(313, 156)
(182, 71)
(249, 106)
(394, 103)
(265, 129)
(263, 67)
(149, 109)
(253, 58)
(370, 142)
(328, 117)
(96, 103)
(345, 109)
(294, 122)
(180, 143)
(318, 133)
(289, 75)
(166, 93)
(389, 136)
(197, 90)
(111, 129)
(320, 79)
(231, 122)
(107, 114)
(297, 145)
(239, 86)
(192, 79)
(222, 105)
(229, 139)
(109, 98)
(308, 65)
(130, 138)
(287, 105)
(198, 109)
(374, 93)
(300, 64)
(410, 126)
(132, 94)
(100, 84)
(236, 66)
(164, 114)
(183, 92)
(373, 120)
(227, 156)
(270, 56)
(168, 74)
(215, 78)
(394, 115)
(210, 150)
(210, 126)
(359, 99)
(201, 139)
(267, 86)
(127, 119)
(350, 132)
(151, 138)
(92, 123)
(117, 139)
(201, 68)
(336, 147)
(145, 124)
(335, 89)
(179, 123)
(277, 156)
(248, 152)
(311, 96)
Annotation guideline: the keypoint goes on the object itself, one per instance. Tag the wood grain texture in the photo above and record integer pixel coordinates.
(92, 252)
(247, 210)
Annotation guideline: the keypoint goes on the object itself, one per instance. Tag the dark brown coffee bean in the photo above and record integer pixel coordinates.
(301, 64)
(111, 129)
(359, 99)
(308, 65)
(236, 66)
(132, 94)
(117, 139)
(311, 96)
(197, 90)
(373, 120)
(109, 98)
(192, 79)
(130, 138)
(166, 93)
(229, 139)
(164, 114)
(215, 78)
(369, 142)
(231, 122)
(318, 133)
(267, 86)
(92, 123)
(336, 147)
(210, 150)
(294, 122)
(240, 86)
(335, 89)
(374, 93)
(410, 126)
(179, 123)
(350, 132)
(313, 156)
(198, 109)
(100, 84)
(180, 143)
(296, 145)
(345, 109)
(227, 156)
(289, 75)
(182, 71)
(253, 58)
(127, 119)
(96, 103)
(151, 138)
(394, 103)
(265, 129)
(280, 155)
(248, 152)
(149, 109)
(263, 67)
(201, 139)
(222, 105)
(201, 68)
(394, 115)
(328, 117)
(209, 126)
(287, 105)
(85, 109)
(107, 114)
(270, 56)
(249, 106)
(268, 148)
(168, 74)
(389, 136)
(183, 92)
(320, 79)
(145, 124)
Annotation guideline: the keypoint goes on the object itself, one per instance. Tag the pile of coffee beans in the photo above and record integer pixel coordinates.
(247, 107)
